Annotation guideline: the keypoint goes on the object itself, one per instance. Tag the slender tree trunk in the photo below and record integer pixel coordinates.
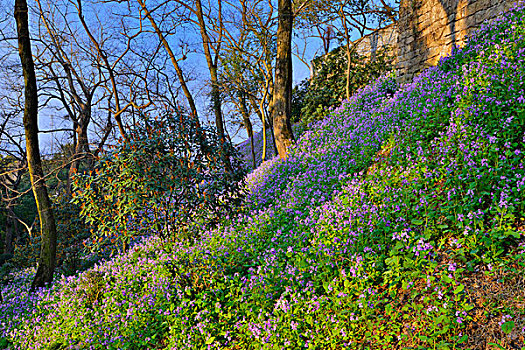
(81, 152)
(272, 132)
(349, 62)
(348, 70)
(282, 96)
(3, 240)
(47, 260)
(214, 79)
(267, 124)
(10, 230)
(247, 124)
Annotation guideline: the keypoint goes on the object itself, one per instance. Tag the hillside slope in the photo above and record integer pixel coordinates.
(396, 222)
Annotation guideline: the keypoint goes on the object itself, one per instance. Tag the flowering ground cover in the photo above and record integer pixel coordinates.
(398, 221)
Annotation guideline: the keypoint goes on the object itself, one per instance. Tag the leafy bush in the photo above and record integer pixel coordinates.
(169, 177)
(327, 88)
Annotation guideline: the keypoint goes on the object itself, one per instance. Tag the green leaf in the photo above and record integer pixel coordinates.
(459, 289)
(210, 340)
(468, 307)
(463, 339)
(423, 338)
(514, 234)
(440, 319)
(417, 222)
(507, 327)
(446, 279)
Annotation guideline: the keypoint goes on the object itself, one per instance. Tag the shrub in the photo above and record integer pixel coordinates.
(168, 178)
(327, 87)
(72, 231)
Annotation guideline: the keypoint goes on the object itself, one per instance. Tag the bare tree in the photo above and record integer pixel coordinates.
(248, 60)
(13, 166)
(65, 78)
(47, 260)
(110, 68)
(349, 21)
(174, 60)
(85, 69)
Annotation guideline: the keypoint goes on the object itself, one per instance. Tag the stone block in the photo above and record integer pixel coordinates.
(470, 22)
(462, 13)
(433, 51)
(492, 13)
(497, 10)
(448, 40)
(426, 32)
(425, 24)
(480, 16)
(480, 5)
(464, 3)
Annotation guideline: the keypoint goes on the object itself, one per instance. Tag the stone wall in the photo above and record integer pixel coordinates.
(383, 37)
(428, 29)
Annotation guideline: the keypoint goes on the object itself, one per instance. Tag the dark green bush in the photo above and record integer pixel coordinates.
(170, 177)
(327, 87)
(72, 231)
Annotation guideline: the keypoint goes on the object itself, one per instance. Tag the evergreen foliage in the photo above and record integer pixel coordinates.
(326, 88)
(168, 178)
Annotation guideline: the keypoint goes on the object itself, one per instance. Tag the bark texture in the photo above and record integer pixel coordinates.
(47, 260)
(247, 124)
(282, 97)
(214, 78)
(81, 148)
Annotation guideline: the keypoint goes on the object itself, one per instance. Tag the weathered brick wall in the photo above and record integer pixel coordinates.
(377, 40)
(428, 29)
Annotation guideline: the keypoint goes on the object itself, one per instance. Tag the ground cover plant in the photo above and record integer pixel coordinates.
(396, 222)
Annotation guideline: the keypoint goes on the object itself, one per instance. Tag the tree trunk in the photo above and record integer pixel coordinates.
(349, 54)
(47, 260)
(10, 230)
(272, 132)
(282, 97)
(267, 124)
(247, 124)
(81, 151)
(214, 79)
